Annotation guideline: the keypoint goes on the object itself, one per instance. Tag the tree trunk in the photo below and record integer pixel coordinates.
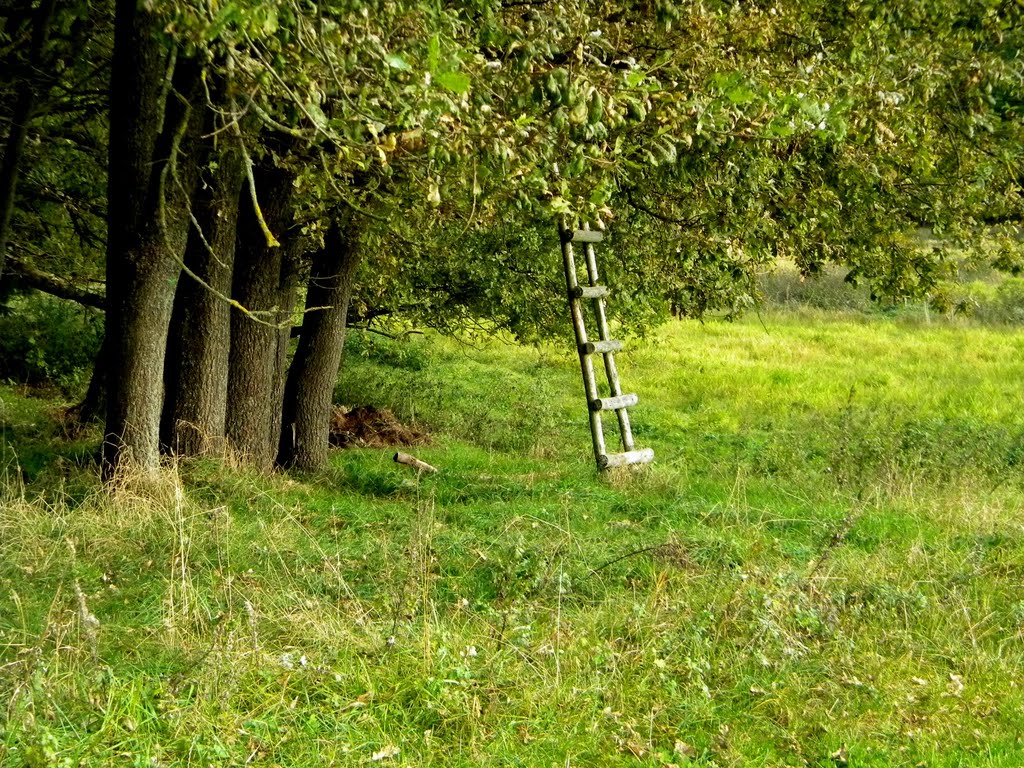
(291, 268)
(199, 343)
(147, 229)
(314, 370)
(23, 109)
(254, 335)
(94, 403)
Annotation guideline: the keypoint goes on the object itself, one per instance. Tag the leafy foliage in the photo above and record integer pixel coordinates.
(712, 138)
(59, 217)
(45, 341)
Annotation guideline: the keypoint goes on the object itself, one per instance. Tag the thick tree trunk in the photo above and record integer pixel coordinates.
(256, 283)
(199, 343)
(23, 109)
(291, 269)
(147, 228)
(314, 370)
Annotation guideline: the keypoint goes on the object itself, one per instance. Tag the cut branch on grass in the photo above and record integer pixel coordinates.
(411, 461)
(626, 556)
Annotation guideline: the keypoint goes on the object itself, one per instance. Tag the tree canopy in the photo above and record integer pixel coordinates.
(210, 157)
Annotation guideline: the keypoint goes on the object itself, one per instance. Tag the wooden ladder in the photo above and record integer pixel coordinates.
(605, 346)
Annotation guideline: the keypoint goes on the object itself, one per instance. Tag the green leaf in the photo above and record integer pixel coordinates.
(740, 94)
(635, 77)
(316, 115)
(561, 205)
(636, 110)
(595, 111)
(456, 82)
(578, 114)
(397, 62)
(228, 14)
(433, 53)
(270, 24)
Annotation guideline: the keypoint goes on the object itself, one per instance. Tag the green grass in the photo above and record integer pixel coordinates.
(824, 567)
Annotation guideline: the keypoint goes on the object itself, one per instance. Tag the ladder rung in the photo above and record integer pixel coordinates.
(613, 403)
(644, 456)
(593, 347)
(587, 236)
(590, 292)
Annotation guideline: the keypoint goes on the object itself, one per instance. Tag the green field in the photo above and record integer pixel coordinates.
(824, 567)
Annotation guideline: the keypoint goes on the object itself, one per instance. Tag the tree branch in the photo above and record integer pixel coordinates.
(49, 283)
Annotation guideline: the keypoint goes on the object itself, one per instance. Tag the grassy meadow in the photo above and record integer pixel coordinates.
(824, 567)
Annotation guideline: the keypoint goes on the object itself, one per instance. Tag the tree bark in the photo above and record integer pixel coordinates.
(94, 403)
(23, 109)
(199, 343)
(147, 229)
(314, 371)
(291, 269)
(257, 281)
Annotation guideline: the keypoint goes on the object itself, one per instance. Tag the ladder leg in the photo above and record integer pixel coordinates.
(586, 364)
(625, 431)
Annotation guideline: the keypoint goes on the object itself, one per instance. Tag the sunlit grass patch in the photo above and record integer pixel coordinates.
(823, 565)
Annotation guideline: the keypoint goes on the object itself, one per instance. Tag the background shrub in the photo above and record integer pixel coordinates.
(45, 341)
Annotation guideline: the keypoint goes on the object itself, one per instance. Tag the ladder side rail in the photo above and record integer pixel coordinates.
(612, 372)
(586, 363)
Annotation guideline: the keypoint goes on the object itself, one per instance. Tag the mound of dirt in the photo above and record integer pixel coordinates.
(369, 427)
